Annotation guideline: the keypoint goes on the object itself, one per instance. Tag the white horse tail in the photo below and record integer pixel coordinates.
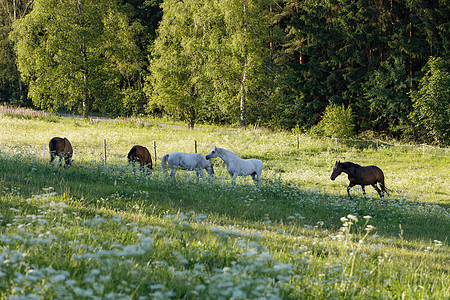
(164, 162)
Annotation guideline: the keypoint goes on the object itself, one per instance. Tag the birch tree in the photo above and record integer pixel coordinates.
(183, 58)
(69, 53)
(10, 11)
(207, 57)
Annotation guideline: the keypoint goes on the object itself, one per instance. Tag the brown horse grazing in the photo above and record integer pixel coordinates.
(60, 147)
(360, 176)
(142, 155)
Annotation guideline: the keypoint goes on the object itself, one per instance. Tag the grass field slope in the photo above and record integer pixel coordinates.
(103, 230)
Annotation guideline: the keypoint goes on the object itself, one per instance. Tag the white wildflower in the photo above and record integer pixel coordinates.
(352, 217)
(344, 219)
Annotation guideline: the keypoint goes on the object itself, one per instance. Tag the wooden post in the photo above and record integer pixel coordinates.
(104, 150)
(154, 147)
(335, 139)
(298, 144)
(195, 145)
(423, 150)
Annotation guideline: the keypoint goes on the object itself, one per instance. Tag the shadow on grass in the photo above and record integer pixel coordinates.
(277, 203)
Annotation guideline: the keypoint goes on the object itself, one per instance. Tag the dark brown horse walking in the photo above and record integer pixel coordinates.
(359, 175)
(141, 155)
(60, 147)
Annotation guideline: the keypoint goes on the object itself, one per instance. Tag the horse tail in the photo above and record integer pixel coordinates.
(381, 181)
(52, 145)
(384, 188)
(164, 162)
(132, 154)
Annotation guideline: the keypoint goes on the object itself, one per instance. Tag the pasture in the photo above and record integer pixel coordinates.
(97, 231)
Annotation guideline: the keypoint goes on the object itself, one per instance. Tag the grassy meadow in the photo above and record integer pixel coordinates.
(96, 231)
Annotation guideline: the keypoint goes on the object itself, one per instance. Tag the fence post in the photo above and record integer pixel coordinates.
(154, 147)
(423, 150)
(335, 140)
(297, 143)
(104, 150)
(377, 146)
(195, 145)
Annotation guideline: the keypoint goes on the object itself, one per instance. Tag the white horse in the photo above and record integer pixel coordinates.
(237, 166)
(186, 161)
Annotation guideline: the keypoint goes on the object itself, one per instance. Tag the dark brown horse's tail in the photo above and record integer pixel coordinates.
(132, 154)
(53, 144)
(383, 186)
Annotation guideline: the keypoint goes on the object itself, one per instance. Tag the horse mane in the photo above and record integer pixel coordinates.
(222, 150)
(348, 164)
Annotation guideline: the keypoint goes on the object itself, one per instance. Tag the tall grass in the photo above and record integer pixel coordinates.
(95, 231)
(411, 175)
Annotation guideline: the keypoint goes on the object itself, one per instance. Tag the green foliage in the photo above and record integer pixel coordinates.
(179, 60)
(286, 60)
(432, 102)
(73, 54)
(12, 89)
(337, 122)
(134, 102)
(200, 57)
(8, 72)
(387, 96)
(363, 53)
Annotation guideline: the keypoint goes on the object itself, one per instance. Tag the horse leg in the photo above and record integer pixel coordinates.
(364, 191)
(172, 172)
(199, 172)
(52, 156)
(60, 158)
(233, 178)
(383, 188)
(144, 166)
(255, 178)
(348, 191)
(66, 161)
(148, 170)
(378, 190)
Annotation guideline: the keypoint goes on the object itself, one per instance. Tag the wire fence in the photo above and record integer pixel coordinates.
(341, 145)
(107, 152)
(337, 144)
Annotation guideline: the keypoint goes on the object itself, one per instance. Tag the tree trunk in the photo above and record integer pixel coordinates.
(244, 70)
(191, 118)
(191, 110)
(14, 18)
(243, 95)
(84, 100)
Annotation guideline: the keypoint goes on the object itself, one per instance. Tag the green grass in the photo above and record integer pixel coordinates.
(108, 232)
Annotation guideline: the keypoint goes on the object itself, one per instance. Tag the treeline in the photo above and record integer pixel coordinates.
(280, 64)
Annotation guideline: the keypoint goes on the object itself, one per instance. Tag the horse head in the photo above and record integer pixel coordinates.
(68, 159)
(337, 170)
(213, 154)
